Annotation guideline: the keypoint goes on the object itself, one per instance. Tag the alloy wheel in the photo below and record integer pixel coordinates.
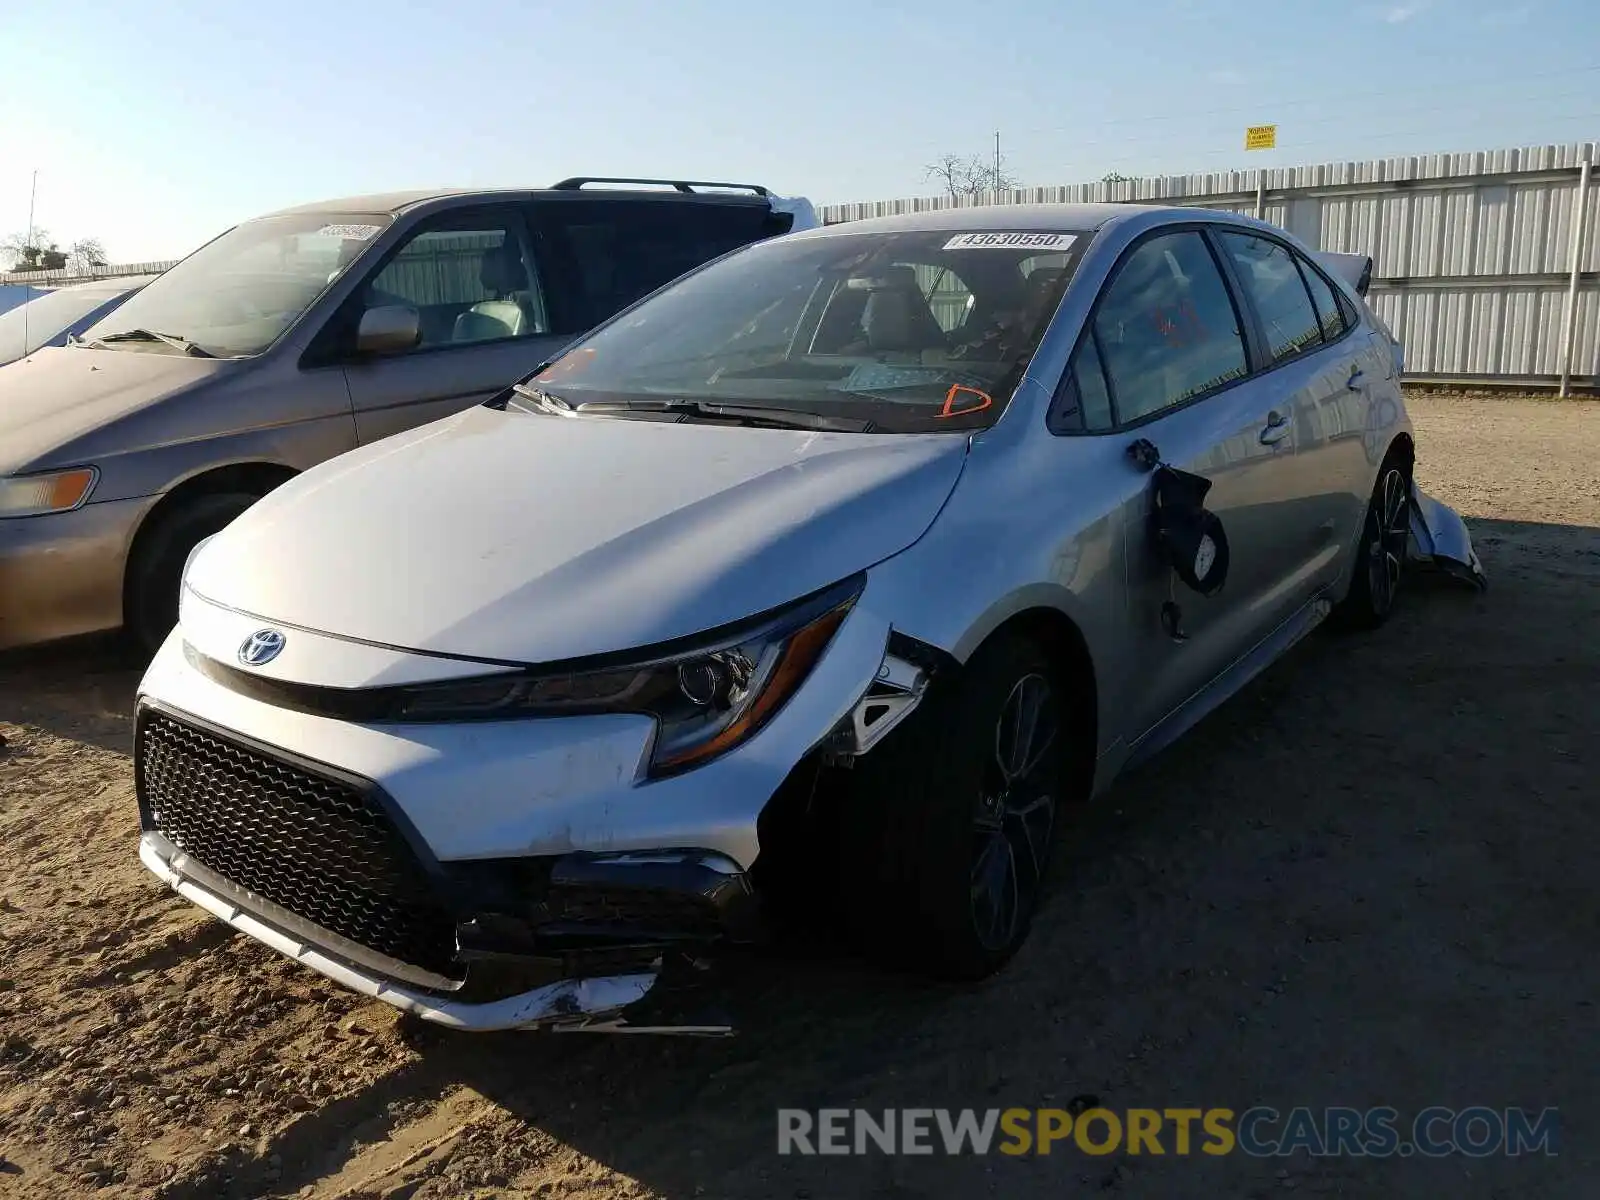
(1015, 811)
(1388, 529)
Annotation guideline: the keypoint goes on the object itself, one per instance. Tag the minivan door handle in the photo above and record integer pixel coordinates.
(1355, 380)
(1277, 428)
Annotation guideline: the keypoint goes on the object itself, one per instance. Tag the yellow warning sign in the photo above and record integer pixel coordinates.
(1261, 137)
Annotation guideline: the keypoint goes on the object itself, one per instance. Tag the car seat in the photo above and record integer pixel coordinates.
(505, 277)
(897, 316)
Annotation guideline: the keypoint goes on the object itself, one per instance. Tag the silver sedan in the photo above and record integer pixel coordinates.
(838, 566)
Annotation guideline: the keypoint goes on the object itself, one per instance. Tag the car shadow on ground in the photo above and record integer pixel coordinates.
(81, 690)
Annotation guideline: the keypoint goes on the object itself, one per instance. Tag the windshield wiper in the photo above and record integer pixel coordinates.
(754, 415)
(542, 400)
(150, 335)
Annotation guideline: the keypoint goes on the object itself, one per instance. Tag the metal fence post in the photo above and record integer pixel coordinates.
(1569, 318)
(1261, 196)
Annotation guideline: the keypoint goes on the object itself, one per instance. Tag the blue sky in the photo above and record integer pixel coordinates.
(155, 125)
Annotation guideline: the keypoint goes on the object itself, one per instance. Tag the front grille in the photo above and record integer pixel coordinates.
(322, 849)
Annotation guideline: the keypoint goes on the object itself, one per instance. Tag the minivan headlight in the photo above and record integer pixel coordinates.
(35, 495)
(706, 699)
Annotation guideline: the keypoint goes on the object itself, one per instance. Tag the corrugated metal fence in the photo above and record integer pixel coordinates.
(54, 279)
(1474, 254)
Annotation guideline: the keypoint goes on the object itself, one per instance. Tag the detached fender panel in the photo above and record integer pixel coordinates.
(1440, 538)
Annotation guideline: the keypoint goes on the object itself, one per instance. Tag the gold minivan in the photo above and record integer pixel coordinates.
(298, 336)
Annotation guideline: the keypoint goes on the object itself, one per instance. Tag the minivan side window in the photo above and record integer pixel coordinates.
(618, 251)
(472, 280)
(1166, 327)
(1268, 273)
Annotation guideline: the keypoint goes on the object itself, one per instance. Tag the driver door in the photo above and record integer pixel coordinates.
(1167, 358)
(475, 282)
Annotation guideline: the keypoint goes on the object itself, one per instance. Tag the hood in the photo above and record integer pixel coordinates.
(529, 538)
(59, 394)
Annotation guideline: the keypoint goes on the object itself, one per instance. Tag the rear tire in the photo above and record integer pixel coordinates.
(948, 824)
(156, 575)
(1381, 553)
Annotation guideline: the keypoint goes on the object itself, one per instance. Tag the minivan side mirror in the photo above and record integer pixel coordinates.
(389, 329)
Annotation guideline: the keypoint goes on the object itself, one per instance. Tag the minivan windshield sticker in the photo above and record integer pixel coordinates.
(354, 233)
(1021, 240)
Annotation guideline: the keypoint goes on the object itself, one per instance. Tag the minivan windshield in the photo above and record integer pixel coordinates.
(903, 332)
(238, 293)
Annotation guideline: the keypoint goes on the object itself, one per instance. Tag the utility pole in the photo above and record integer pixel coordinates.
(33, 192)
(997, 160)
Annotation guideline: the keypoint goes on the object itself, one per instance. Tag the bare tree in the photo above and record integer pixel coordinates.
(30, 252)
(1116, 177)
(969, 176)
(86, 255)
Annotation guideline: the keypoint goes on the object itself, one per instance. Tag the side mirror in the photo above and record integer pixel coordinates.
(389, 329)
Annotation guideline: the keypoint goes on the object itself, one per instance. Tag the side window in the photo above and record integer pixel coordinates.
(471, 281)
(1268, 272)
(1330, 313)
(618, 251)
(1083, 403)
(1166, 327)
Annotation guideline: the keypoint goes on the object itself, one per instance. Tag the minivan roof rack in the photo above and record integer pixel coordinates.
(682, 185)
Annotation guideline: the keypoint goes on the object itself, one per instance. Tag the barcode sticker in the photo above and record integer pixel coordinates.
(354, 233)
(1021, 240)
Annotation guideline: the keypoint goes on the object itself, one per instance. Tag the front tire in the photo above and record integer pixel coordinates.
(1381, 556)
(157, 572)
(950, 820)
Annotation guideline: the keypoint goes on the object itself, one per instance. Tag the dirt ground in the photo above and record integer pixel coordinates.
(1366, 881)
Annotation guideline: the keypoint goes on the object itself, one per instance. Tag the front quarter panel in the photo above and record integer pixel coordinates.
(1034, 523)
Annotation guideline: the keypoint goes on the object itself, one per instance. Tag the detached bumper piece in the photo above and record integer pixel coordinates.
(1440, 539)
(324, 868)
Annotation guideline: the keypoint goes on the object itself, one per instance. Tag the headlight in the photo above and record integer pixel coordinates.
(35, 495)
(706, 699)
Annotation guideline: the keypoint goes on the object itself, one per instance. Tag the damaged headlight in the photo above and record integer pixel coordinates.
(707, 698)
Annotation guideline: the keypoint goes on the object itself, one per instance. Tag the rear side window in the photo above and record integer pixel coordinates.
(1166, 328)
(1269, 274)
(617, 251)
(1330, 313)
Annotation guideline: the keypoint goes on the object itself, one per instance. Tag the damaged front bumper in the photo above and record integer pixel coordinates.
(562, 1003)
(485, 876)
(1439, 539)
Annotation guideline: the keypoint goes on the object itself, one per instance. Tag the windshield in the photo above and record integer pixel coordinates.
(910, 331)
(236, 295)
(46, 317)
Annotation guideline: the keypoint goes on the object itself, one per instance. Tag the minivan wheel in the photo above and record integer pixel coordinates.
(1381, 553)
(157, 572)
(950, 820)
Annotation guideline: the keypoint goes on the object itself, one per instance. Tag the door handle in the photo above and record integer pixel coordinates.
(1277, 428)
(1354, 382)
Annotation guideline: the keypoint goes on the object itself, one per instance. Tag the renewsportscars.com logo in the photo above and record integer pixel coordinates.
(1476, 1132)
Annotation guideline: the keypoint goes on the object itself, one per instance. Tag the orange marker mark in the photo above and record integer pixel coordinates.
(984, 400)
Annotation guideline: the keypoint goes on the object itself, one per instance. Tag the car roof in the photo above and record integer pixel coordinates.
(987, 218)
(395, 203)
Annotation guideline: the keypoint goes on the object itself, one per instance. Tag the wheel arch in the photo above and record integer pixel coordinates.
(1062, 638)
(255, 477)
(1405, 447)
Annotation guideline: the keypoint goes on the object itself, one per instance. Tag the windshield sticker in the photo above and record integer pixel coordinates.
(353, 233)
(1011, 241)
